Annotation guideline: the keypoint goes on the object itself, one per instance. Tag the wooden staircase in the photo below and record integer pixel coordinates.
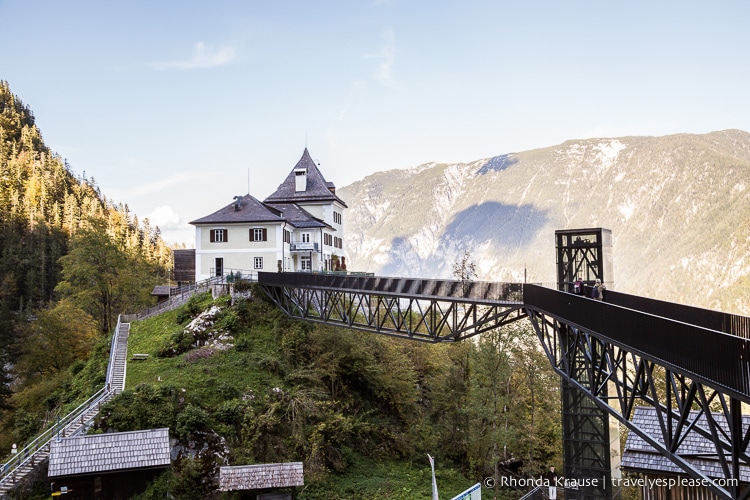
(76, 422)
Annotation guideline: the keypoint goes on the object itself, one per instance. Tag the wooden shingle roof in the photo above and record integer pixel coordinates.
(109, 452)
(318, 189)
(639, 456)
(256, 477)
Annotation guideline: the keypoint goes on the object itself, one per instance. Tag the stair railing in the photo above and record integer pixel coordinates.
(28, 453)
(54, 431)
(112, 354)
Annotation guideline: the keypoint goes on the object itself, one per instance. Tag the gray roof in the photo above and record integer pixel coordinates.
(297, 216)
(162, 290)
(245, 209)
(109, 452)
(639, 456)
(255, 477)
(318, 189)
(249, 209)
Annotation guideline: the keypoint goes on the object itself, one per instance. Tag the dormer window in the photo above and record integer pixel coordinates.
(300, 180)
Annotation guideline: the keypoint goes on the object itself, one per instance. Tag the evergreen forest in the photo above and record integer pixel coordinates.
(361, 411)
(70, 261)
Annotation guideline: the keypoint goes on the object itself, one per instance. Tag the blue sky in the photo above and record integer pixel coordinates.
(174, 107)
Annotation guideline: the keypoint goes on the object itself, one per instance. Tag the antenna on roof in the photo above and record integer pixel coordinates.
(248, 180)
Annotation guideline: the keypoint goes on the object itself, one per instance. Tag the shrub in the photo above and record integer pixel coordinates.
(228, 320)
(180, 342)
(229, 412)
(190, 420)
(242, 285)
(25, 426)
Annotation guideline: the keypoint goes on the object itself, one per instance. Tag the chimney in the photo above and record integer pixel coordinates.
(300, 180)
(237, 203)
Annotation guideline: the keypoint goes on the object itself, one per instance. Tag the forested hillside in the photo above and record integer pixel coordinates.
(70, 261)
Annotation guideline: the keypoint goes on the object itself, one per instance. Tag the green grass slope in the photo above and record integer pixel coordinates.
(349, 405)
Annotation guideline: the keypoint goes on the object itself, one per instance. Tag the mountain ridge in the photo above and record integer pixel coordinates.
(677, 206)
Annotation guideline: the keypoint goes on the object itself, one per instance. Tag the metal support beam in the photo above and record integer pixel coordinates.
(417, 316)
(592, 365)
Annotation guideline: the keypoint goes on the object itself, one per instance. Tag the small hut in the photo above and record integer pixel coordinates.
(162, 293)
(114, 466)
(265, 481)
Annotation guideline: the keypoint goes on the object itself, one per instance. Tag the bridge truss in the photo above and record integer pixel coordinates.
(618, 379)
(425, 310)
(613, 358)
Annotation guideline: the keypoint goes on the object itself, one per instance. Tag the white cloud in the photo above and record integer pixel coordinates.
(203, 57)
(174, 229)
(165, 217)
(386, 58)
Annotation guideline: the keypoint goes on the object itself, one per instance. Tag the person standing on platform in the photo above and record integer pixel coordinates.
(598, 291)
(578, 286)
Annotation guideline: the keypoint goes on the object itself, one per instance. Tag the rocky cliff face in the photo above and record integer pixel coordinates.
(678, 207)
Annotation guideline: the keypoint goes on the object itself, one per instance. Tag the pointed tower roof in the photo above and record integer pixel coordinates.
(316, 187)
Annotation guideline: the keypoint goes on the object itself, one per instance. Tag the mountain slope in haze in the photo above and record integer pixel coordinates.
(678, 207)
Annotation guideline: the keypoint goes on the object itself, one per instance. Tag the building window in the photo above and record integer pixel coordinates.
(337, 217)
(259, 234)
(218, 236)
(306, 263)
(327, 239)
(305, 237)
(287, 236)
(258, 263)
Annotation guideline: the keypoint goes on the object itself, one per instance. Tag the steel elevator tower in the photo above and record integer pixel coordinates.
(591, 448)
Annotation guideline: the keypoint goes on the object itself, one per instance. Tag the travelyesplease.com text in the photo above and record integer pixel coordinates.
(647, 482)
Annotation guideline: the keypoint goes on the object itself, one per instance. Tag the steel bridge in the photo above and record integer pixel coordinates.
(692, 366)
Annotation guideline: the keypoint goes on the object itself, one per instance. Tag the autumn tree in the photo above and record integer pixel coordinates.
(490, 387)
(513, 405)
(465, 270)
(103, 279)
(55, 339)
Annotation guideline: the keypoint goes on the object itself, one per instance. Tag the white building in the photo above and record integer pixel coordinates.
(298, 228)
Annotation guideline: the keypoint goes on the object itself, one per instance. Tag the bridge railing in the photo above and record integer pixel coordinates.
(465, 291)
(709, 356)
(732, 324)
(177, 297)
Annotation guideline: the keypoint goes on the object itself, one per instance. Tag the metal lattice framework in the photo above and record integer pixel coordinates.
(682, 404)
(614, 358)
(425, 310)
